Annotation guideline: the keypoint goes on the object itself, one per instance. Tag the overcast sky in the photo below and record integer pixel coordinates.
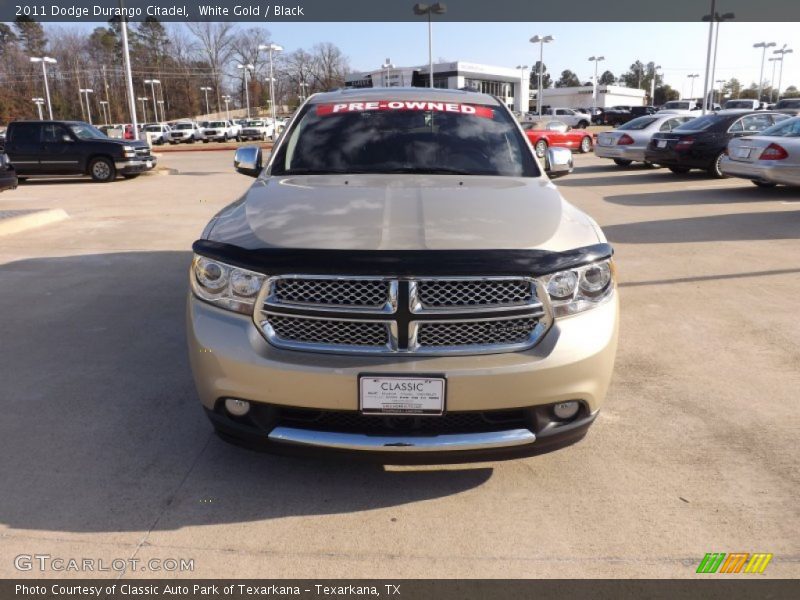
(680, 48)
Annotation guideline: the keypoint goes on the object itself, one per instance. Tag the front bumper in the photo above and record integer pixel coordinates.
(762, 170)
(138, 165)
(231, 359)
(635, 153)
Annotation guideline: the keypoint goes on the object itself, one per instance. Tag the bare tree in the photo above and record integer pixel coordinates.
(330, 64)
(216, 41)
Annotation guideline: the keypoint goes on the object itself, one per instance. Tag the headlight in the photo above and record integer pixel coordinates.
(580, 289)
(129, 151)
(225, 286)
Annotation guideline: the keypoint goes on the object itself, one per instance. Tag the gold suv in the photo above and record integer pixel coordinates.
(402, 281)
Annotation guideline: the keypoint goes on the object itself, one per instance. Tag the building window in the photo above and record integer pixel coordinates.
(501, 89)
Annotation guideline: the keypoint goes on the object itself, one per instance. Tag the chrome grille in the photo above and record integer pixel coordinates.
(366, 314)
(362, 293)
(471, 293)
(470, 333)
(309, 332)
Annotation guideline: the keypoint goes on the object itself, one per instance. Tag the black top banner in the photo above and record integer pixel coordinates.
(397, 10)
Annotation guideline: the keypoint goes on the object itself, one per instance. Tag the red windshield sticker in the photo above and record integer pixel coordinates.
(387, 105)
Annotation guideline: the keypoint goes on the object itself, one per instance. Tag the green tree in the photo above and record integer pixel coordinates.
(568, 79)
(635, 76)
(32, 36)
(547, 81)
(733, 88)
(665, 93)
(607, 78)
(791, 92)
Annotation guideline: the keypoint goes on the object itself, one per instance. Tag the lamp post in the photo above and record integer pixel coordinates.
(783, 52)
(161, 106)
(693, 76)
(721, 82)
(714, 17)
(303, 90)
(541, 40)
(206, 90)
(245, 69)
(763, 46)
(595, 60)
(104, 107)
(143, 99)
(271, 48)
(774, 60)
(39, 102)
(45, 60)
(425, 9)
(153, 83)
(227, 99)
(653, 85)
(387, 65)
(88, 110)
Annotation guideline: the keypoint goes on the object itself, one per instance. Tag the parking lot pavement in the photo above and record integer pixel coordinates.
(106, 453)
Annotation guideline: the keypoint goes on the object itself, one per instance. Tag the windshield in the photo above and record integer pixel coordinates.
(788, 128)
(739, 104)
(638, 123)
(255, 123)
(184, 126)
(698, 124)
(677, 105)
(218, 124)
(84, 131)
(393, 136)
(795, 103)
(153, 128)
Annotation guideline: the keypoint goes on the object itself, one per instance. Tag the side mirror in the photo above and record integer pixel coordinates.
(247, 160)
(558, 162)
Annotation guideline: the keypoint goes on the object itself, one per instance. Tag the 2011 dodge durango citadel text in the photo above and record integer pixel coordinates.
(403, 281)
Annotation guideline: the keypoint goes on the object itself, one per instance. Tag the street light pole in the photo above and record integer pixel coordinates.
(103, 107)
(653, 85)
(595, 60)
(126, 57)
(38, 102)
(438, 8)
(774, 60)
(161, 106)
(45, 60)
(721, 82)
(714, 17)
(244, 69)
(153, 83)
(541, 40)
(523, 89)
(693, 76)
(387, 65)
(763, 46)
(88, 109)
(206, 90)
(783, 52)
(143, 99)
(227, 112)
(708, 56)
(272, 48)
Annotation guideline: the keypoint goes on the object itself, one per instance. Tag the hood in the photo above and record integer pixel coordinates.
(407, 212)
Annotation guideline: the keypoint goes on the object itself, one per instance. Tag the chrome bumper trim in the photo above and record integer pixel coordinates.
(453, 442)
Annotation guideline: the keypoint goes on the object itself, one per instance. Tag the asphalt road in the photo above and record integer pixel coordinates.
(107, 455)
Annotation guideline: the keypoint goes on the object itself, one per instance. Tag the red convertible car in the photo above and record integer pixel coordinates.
(543, 134)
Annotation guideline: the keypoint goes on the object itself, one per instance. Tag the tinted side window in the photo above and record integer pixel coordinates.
(737, 126)
(24, 133)
(52, 132)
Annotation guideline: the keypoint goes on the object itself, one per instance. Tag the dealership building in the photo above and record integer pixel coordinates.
(510, 85)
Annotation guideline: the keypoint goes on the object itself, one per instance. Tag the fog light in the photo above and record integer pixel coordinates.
(238, 408)
(565, 410)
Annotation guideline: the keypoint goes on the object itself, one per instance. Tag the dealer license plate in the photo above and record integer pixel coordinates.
(661, 143)
(379, 395)
(743, 153)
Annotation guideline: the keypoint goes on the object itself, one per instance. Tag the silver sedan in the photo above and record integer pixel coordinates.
(627, 143)
(767, 159)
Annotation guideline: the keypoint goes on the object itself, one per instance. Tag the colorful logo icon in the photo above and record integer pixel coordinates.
(735, 562)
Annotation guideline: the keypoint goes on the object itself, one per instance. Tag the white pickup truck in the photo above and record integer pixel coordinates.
(571, 117)
(257, 129)
(220, 131)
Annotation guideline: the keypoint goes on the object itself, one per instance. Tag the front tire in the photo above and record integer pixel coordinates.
(541, 148)
(621, 162)
(586, 145)
(583, 124)
(102, 170)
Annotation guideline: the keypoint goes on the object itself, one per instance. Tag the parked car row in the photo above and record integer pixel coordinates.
(763, 146)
